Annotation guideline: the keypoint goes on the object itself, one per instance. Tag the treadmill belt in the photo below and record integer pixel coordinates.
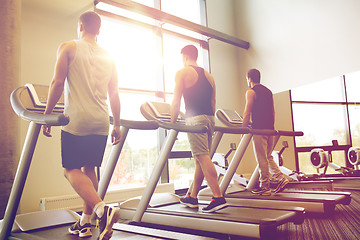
(284, 196)
(231, 213)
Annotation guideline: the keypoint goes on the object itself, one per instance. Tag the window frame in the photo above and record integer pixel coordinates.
(328, 148)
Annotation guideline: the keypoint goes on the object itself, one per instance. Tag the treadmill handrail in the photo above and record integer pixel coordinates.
(267, 132)
(232, 130)
(167, 125)
(271, 132)
(137, 125)
(291, 133)
(53, 119)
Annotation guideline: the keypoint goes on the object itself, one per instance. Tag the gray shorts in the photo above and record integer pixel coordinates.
(200, 143)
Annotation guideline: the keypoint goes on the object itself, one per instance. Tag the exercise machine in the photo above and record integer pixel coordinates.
(319, 159)
(312, 201)
(298, 179)
(354, 157)
(165, 209)
(29, 103)
(221, 164)
(345, 177)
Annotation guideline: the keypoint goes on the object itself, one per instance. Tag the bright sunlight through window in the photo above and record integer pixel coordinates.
(147, 57)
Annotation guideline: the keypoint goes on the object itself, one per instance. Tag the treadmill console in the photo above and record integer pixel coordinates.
(161, 111)
(37, 98)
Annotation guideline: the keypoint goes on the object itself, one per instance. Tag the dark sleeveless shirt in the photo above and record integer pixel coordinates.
(198, 97)
(262, 114)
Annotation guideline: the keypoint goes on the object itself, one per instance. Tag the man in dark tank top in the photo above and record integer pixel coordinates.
(259, 107)
(197, 86)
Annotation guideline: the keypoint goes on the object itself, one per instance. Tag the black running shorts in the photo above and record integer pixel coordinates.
(80, 151)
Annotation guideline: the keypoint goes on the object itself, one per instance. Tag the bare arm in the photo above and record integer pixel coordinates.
(114, 99)
(213, 100)
(250, 98)
(273, 108)
(178, 92)
(211, 80)
(56, 88)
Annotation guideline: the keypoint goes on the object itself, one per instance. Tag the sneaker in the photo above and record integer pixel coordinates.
(263, 191)
(189, 201)
(105, 223)
(82, 231)
(216, 204)
(281, 186)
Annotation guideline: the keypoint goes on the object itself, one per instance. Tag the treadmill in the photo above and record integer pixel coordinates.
(311, 201)
(29, 106)
(249, 220)
(29, 103)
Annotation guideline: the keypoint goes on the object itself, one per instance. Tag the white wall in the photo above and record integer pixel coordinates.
(223, 57)
(225, 67)
(298, 42)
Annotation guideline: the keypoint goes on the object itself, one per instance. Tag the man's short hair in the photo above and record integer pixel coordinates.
(254, 74)
(190, 51)
(91, 22)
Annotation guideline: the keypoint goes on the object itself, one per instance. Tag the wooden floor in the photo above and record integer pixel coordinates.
(343, 224)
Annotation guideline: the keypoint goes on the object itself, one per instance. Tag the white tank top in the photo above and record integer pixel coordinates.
(85, 91)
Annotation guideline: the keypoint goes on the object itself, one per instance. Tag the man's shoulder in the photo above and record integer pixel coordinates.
(184, 71)
(250, 93)
(187, 69)
(68, 43)
(67, 46)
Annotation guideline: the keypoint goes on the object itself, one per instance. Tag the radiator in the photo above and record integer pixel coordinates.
(75, 203)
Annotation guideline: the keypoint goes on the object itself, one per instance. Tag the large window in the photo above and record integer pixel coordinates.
(147, 55)
(353, 96)
(328, 114)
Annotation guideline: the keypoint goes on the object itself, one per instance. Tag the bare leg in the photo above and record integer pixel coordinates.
(198, 179)
(85, 187)
(90, 172)
(210, 174)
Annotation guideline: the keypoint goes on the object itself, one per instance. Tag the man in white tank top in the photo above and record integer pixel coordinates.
(87, 75)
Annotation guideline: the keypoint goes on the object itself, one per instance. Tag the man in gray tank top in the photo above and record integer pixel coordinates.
(88, 74)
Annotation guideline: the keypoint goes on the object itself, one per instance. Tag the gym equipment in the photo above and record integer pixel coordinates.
(29, 103)
(346, 178)
(221, 164)
(320, 159)
(354, 157)
(277, 155)
(28, 106)
(312, 201)
(232, 118)
(298, 178)
(164, 209)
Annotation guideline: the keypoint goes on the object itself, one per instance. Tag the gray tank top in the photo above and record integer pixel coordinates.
(85, 92)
